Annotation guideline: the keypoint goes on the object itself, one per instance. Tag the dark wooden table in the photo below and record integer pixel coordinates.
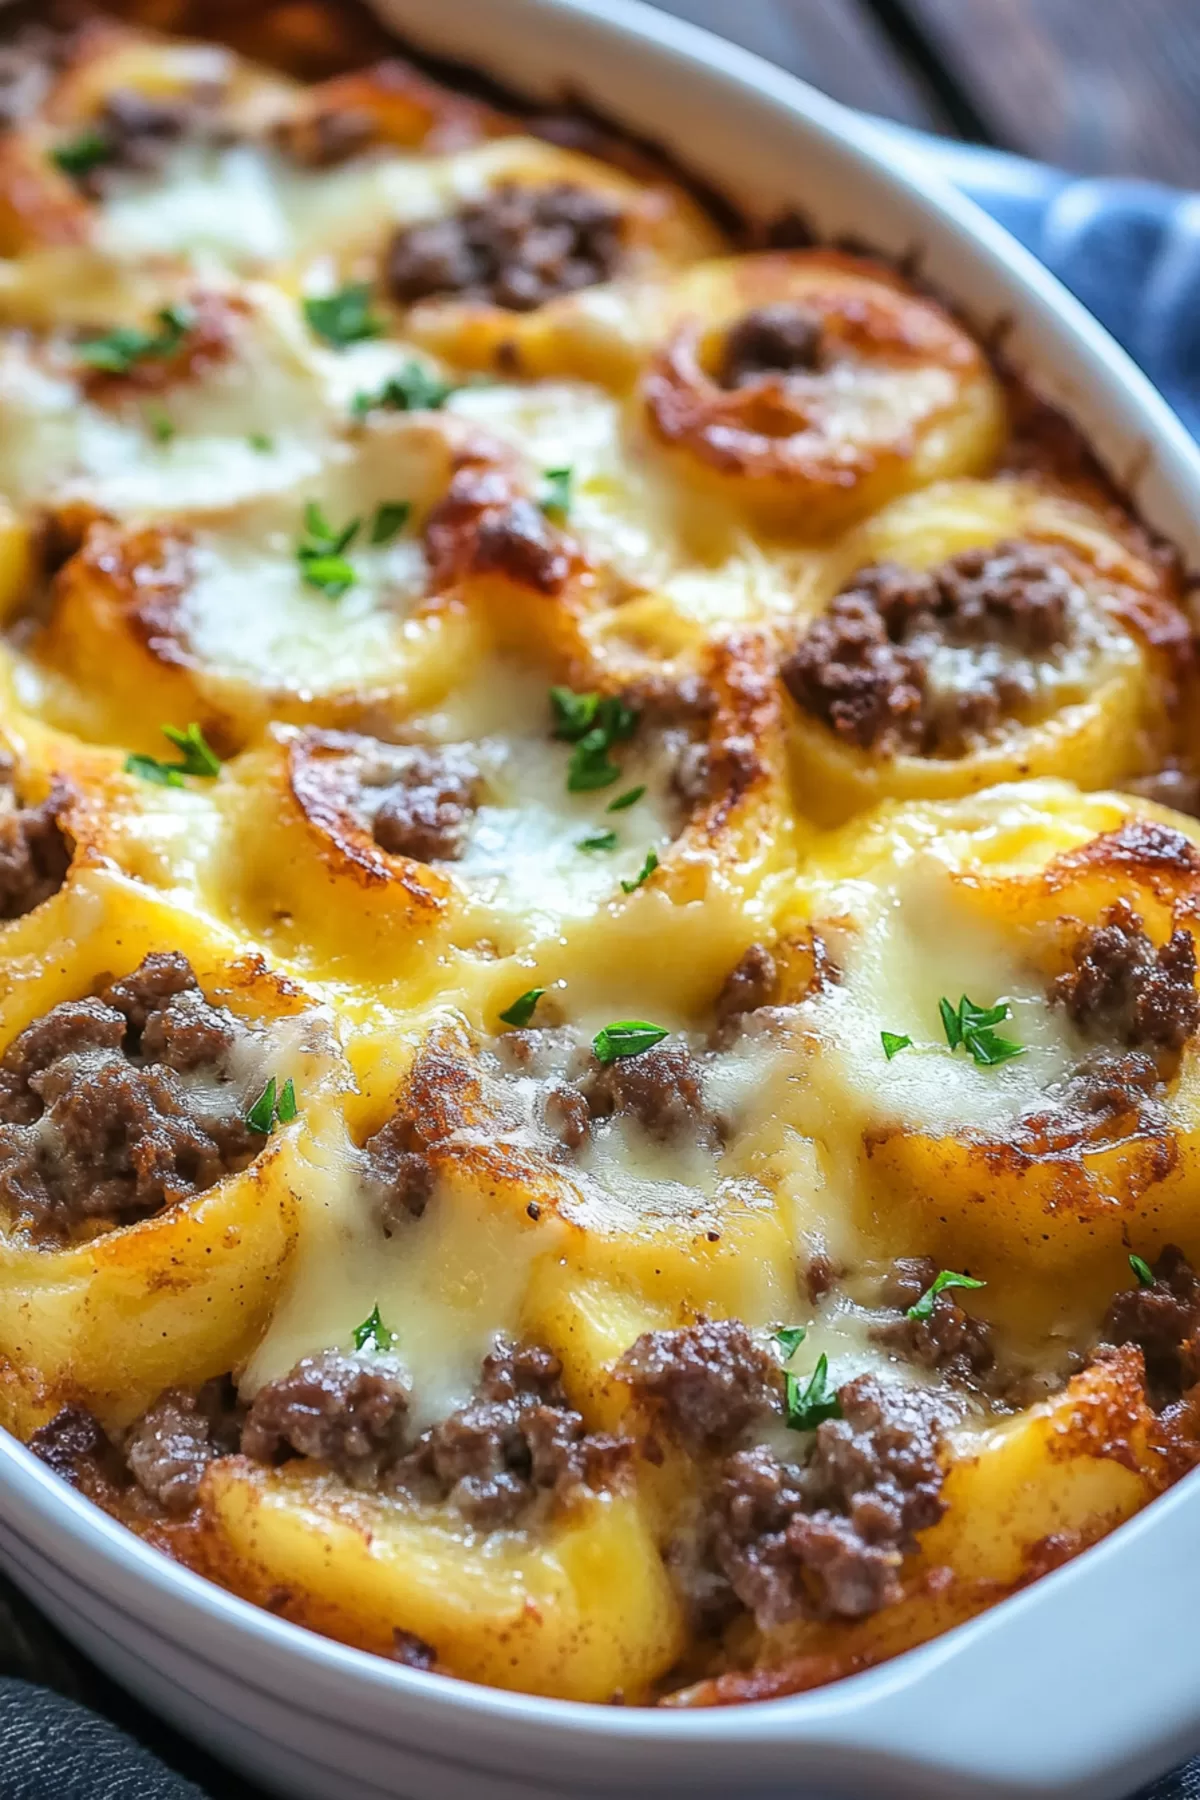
(1104, 87)
(1100, 86)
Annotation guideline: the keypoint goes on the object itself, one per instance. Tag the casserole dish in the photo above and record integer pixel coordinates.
(311, 1717)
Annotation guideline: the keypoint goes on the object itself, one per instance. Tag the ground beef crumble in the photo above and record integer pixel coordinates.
(73, 1443)
(517, 248)
(706, 1383)
(136, 132)
(661, 1090)
(951, 1340)
(174, 1441)
(422, 801)
(1163, 1320)
(515, 1440)
(771, 341)
(826, 1540)
(397, 1172)
(35, 851)
(1122, 987)
(97, 1120)
(862, 667)
(349, 1411)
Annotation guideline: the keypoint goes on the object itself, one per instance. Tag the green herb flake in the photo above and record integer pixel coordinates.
(160, 426)
(199, 758)
(275, 1106)
(947, 1279)
(261, 1116)
(810, 1404)
(262, 442)
(344, 317)
(789, 1338)
(522, 1008)
(970, 1026)
(319, 553)
(627, 1037)
(149, 769)
(593, 724)
(80, 155)
(1142, 1270)
(116, 351)
(893, 1043)
(391, 517)
(414, 389)
(627, 799)
(644, 873)
(555, 497)
(374, 1332)
(574, 714)
(599, 840)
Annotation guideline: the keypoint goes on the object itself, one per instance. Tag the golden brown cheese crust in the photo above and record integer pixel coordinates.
(629, 899)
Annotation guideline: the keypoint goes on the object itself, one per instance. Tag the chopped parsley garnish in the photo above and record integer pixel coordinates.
(161, 428)
(414, 389)
(274, 1106)
(390, 517)
(893, 1043)
(1142, 1270)
(198, 759)
(810, 1404)
(629, 798)
(644, 873)
(627, 1037)
(80, 155)
(261, 441)
(116, 352)
(599, 840)
(947, 1279)
(593, 723)
(555, 497)
(344, 317)
(319, 553)
(970, 1026)
(789, 1338)
(522, 1008)
(374, 1332)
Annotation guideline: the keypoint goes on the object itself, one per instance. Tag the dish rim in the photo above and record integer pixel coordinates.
(45, 1514)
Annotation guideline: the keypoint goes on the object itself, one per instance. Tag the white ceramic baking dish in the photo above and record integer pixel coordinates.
(1085, 1685)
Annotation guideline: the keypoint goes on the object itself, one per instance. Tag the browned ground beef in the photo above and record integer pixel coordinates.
(518, 1438)
(518, 248)
(784, 339)
(171, 1445)
(347, 1410)
(138, 132)
(951, 1340)
(662, 1090)
(324, 138)
(397, 1172)
(1164, 1322)
(425, 811)
(1108, 1095)
(35, 851)
(753, 983)
(1122, 987)
(73, 1443)
(861, 667)
(707, 1383)
(826, 1540)
(95, 1121)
